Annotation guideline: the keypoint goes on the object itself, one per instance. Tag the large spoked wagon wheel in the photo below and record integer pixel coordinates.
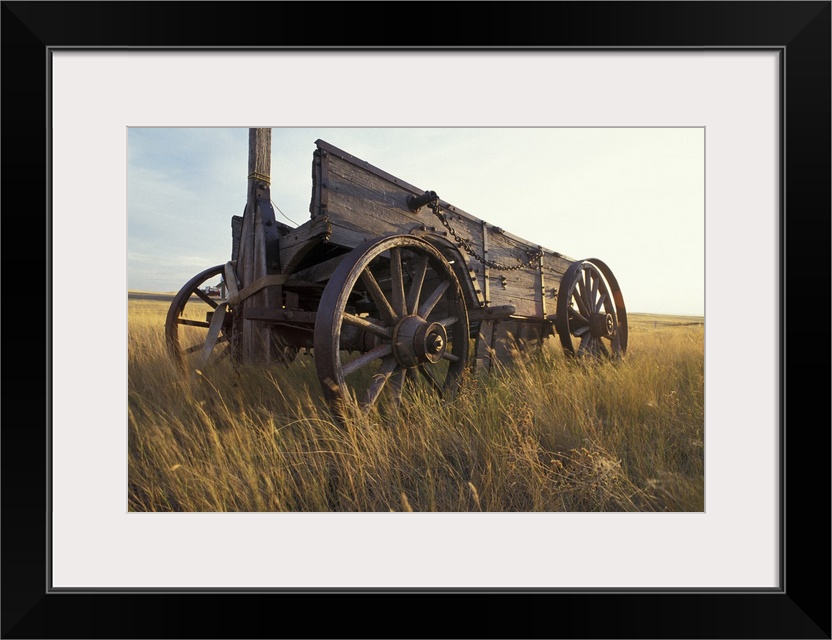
(198, 325)
(591, 319)
(392, 315)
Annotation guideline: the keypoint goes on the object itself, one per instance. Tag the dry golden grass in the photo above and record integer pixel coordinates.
(544, 434)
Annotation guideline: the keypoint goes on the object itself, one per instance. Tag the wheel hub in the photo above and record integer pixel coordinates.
(602, 325)
(416, 341)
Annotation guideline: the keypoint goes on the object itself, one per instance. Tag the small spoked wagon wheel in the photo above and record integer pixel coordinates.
(392, 314)
(591, 319)
(198, 325)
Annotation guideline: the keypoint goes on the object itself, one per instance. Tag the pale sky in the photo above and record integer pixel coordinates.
(632, 197)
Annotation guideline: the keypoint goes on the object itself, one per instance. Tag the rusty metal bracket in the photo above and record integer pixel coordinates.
(414, 203)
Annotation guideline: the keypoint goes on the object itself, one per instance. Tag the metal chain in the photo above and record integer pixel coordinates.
(469, 249)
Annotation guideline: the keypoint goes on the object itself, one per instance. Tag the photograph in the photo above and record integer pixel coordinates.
(416, 319)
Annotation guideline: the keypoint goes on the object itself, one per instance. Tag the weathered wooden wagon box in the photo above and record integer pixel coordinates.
(387, 282)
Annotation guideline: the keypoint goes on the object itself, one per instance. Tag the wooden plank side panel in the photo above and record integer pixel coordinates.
(519, 289)
(508, 251)
(555, 266)
(336, 157)
(361, 199)
(522, 289)
(371, 206)
(363, 202)
(348, 235)
(553, 269)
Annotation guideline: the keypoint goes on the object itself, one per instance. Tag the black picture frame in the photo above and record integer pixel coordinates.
(800, 608)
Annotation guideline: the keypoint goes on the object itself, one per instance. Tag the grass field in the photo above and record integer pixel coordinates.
(544, 434)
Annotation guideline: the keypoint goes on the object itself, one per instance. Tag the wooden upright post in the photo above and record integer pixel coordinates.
(251, 260)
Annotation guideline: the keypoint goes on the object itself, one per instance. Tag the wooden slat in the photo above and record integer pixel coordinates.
(295, 245)
(319, 272)
(269, 314)
(361, 200)
(482, 362)
(213, 334)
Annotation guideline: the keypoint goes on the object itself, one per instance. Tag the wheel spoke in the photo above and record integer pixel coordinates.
(186, 307)
(193, 323)
(199, 347)
(451, 357)
(582, 308)
(397, 382)
(368, 326)
(397, 282)
(580, 286)
(580, 331)
(207, 298)
(589, 302)
(596, 303)
(378, 296)
(430, 303)
(416, 285)
(388, 366)
(381, 351)
(587, 283)
(213, 334)
(576, 319)
(431, 380)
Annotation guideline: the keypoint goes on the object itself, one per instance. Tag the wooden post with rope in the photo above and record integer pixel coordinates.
(253, 261)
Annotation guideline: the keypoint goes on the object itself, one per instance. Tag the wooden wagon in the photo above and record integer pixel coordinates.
(388, 283)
